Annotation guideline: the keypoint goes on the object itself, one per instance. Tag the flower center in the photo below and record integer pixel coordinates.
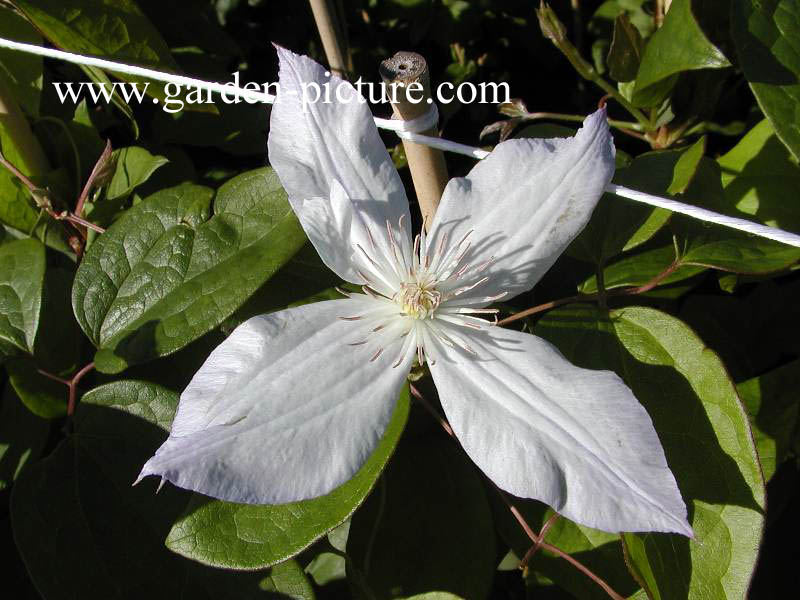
(419, 300)
(431, 287)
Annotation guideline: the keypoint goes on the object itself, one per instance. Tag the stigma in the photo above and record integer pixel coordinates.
(425, 295)
(419, 301)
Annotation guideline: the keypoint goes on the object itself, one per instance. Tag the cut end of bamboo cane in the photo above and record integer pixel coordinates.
(404, 68)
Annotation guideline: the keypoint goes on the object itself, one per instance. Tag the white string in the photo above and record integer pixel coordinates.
(702, 214)
(426, 121)
(407, 130)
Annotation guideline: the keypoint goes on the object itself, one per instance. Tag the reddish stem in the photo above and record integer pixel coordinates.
(632, 291)
(583, 569)
(547, 306)
(75, 219)
(529, 554)
(434, 413)
(104, 155)
(72, 385)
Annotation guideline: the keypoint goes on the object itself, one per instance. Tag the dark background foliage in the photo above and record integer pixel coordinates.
(431, 523)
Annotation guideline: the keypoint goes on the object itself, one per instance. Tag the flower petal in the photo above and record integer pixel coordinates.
(283, 410)
(573, 438)
(314, 141)
(526, 202)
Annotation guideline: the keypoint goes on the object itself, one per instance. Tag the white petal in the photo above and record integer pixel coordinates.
(526, 202)
(542, 428)
(283, 410)
(312, 143)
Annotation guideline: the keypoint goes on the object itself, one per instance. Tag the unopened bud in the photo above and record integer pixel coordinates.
(552, 28)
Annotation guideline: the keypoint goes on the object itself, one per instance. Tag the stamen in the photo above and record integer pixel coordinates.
(460, 291)
(366, 279)
(361, 343)
(483, 265)
(369, 258)
(494, 298)
(371, 239)
(442, 242)
(377, 354)
(343, 293)
(356, 318)
(395, 250)
(463, 321)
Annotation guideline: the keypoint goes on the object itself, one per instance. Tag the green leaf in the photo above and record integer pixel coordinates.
(738, 252)
(17, 209)
(21, 72)
(767, 38)
(773, 404)
(116, 30)
(679, 45)
(22, 437)
(686, 167)
(639, 269)
(165, 273)
(426, 526)
(288, 580)
(721, 247)
(626, 50)
(134, 167)
(84, 532)
(706, 438)
(43, 396)
(246, 536)
(58, 346)
(300, 280)
(326, 568)
(760, 179)
(22, 268)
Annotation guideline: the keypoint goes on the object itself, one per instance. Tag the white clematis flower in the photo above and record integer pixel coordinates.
(291, 405)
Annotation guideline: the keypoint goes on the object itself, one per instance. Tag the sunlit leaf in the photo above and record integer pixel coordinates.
(168, 270)
(767, 37)
(679, 45)
(773, 404)
(21, 285)
(706, 438)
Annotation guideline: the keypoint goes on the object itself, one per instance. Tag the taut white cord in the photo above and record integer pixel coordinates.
(702, 214)
(408, 130)
(91, 61)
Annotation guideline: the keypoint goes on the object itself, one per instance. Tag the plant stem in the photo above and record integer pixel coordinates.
(547, 306)
(555, 31)
(624, 125)
(40, 197)
(631, 291)
(72, 385)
